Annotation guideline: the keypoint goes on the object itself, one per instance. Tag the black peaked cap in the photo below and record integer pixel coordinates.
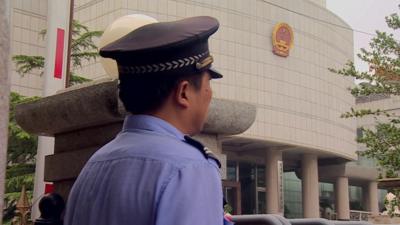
(178, 47)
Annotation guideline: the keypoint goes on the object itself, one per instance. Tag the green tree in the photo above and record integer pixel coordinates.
(383, 78)
(83, 49)
(20, 158)
(22, 145)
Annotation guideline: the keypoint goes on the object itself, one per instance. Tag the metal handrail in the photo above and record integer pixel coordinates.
(282, 219)
(361, 215)
(351, 223)
(311, 221)
(262, 219)
(275, 219)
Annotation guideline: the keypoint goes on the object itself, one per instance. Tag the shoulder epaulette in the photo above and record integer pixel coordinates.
(204, 150)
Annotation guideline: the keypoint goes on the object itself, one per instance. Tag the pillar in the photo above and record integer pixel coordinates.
(58, 13)
(4, 92)
(371, 197)
(342, 198)
(310, 186)
(272, 189)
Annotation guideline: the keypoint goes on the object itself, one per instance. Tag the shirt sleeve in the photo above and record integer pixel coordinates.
(193, 196)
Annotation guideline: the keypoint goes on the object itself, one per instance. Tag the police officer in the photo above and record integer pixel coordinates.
(153, 172)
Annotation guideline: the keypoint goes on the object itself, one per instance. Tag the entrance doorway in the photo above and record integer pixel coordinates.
(250, 179)
(232, 196)
(247, 174)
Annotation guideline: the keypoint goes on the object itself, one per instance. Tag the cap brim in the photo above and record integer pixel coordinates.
(214, 73)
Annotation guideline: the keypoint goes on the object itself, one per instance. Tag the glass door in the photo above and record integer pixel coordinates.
(232, 196)
(250, 179)
(260, 190)
(248, 187)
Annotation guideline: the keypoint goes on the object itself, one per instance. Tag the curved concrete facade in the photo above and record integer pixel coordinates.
(298, 100)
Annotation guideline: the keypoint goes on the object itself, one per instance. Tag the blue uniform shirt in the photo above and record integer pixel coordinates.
(147, 175)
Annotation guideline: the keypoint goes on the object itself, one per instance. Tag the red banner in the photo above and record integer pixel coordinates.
(59, 58)
(48, 188)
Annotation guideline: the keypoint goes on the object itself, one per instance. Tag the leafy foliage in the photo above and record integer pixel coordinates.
(82, 45)
(19, 169)
(21, 145)
(383, 144)
(14, 184)
(26, 64)
(77, 79)
(383, 78)
(20, 158)
(82, 49)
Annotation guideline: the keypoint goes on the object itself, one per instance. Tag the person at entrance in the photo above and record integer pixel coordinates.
(154, 172)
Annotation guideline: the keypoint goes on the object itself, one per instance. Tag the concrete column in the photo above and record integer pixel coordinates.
(58, 12)
(272, 190)
(310, 186)
(342, 198)
(371, 197)
(4, 92)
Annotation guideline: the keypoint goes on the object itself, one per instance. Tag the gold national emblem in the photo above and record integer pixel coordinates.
(282, 39)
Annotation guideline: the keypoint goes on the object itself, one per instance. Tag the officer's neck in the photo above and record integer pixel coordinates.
(181, 120)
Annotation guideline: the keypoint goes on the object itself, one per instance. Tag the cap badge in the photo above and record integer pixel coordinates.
(204, 63)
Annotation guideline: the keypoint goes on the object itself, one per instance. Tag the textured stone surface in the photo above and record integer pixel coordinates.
(64, 112)
(98, 104)
(66, 165)
(229, 117)
(85, 138)
(4, 92)
(64, 187)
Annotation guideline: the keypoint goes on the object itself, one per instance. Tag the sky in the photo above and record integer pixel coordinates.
(367, 16)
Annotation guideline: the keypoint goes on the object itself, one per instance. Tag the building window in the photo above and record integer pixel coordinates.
(292, 195)
(261, 176)
(355, 197)
(231, 171)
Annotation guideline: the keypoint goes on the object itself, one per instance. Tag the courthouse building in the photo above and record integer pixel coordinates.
(294, 159)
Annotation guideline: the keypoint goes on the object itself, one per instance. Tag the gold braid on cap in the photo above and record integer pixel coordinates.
(205, 62)
(166, 66)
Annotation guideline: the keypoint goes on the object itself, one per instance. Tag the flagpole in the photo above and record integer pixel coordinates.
(68, 69)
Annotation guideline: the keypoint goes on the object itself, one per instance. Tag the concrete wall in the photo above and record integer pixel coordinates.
(28, 18)
(321, 3)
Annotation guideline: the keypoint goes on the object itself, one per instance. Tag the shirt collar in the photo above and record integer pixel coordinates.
(151, 123)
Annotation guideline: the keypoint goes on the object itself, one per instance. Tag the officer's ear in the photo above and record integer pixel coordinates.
(182, 93)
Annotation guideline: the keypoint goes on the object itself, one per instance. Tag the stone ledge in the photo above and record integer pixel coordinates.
(97, 104)
(68, 111)
(229, 117)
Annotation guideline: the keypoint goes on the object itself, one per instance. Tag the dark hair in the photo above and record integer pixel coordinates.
(144, 94)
